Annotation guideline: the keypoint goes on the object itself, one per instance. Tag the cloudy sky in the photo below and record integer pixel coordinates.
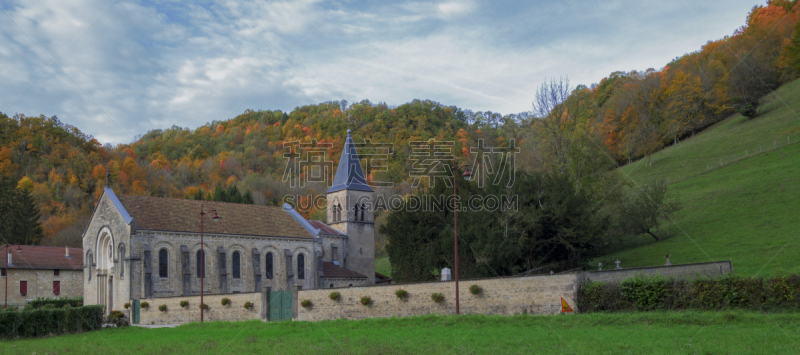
(118, 68)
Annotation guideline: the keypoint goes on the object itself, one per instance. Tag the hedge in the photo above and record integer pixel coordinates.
(52, 321)
(54, 303)
(646, 293)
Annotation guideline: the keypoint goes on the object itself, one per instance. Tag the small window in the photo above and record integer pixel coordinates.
(56, 287)
(201, 271)
(235, 261)
(23, 287)
(163, 263)
(301, 267)
(362, 212)
(268, 263)
(331, 285)
(3, 272)
(55, 272)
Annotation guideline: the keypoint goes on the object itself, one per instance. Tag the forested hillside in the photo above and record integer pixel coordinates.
(583, 133)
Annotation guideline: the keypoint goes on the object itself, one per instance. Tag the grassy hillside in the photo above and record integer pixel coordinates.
(620, 333)
(738, 184)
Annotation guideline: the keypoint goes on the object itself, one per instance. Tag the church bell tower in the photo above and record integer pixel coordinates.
(350, 210)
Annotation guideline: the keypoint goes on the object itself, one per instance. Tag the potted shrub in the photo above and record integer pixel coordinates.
(401, 293)
(127, 305)
(203, 306)
(184, 304)
(305, 303)
(144, 305)
(334, 296)
(226, 301)
(366, 300)
(162, 308)
(437, 297)
(248, 305)
(475, 289)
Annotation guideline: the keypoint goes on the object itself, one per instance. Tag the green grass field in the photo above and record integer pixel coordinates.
(620, 333)
(746, 210)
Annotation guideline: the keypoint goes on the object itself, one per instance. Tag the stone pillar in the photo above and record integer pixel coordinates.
(223, 273)
(289, 269)
(295, 291)
(256, 269)
(186, 271)
(148, 272)
(265, 302)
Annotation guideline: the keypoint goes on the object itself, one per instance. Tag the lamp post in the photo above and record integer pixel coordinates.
(467, 174)
(214, 218)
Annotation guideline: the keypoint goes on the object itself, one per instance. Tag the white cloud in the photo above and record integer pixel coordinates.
(145, 66)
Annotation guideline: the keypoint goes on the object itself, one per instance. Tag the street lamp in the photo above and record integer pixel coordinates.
(467, 175)
(214, 218)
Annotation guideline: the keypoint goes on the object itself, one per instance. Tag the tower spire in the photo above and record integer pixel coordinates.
(349, 174)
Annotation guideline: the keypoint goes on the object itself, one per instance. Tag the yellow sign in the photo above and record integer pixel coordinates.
(565, 306)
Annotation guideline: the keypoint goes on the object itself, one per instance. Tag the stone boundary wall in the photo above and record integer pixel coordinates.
(681, 271)
(507, 296)
(176, 314)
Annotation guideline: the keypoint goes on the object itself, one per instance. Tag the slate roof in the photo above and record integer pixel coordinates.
(326, 229)
(349, 175)
(331, 270)
(180, 215)
(39, 257)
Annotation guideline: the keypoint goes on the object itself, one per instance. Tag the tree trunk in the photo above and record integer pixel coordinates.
(651, 233)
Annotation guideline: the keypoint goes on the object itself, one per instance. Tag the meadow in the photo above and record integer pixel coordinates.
(738, 184)
(689, 332)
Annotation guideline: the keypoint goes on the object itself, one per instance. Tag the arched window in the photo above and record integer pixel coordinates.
(235, 261)
(355, 216)
(163, 263)
(268, 263)
(201, 272)
(362, 212)
(331, 285)
(301, 266)
(89, 263)
(339, 212)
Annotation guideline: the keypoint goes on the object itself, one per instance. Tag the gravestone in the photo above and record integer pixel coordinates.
(599, 266)
(618, 262)
(446, 274)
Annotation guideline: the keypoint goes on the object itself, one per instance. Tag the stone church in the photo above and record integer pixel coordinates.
(139, 247)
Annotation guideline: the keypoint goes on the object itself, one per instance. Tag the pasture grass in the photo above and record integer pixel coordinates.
(745, 210)
(689, 332)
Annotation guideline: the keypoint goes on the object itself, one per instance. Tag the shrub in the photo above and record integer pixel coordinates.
(56, 302)
(366, 300)
(144, 305)
(248, 305)
(226, 301)
(645, 293)
(401, 293)
(184, 304)
(203, 306)
(43, 322)
(334, 295)
(305, 303)
(437, 297)
(127, 305)
(475, 290)
(162, 308)
(117, 318)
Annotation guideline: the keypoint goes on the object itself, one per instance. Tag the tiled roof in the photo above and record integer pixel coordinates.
(331, 270)
(349, 174)
(326, 229)
(38, 257)
(179, 215)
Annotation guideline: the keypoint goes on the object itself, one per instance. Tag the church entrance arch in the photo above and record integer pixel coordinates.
(105, 265)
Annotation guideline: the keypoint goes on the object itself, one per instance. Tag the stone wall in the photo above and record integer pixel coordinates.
(507, 296)
(40, 285)
(710, 269)
(176, 314)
